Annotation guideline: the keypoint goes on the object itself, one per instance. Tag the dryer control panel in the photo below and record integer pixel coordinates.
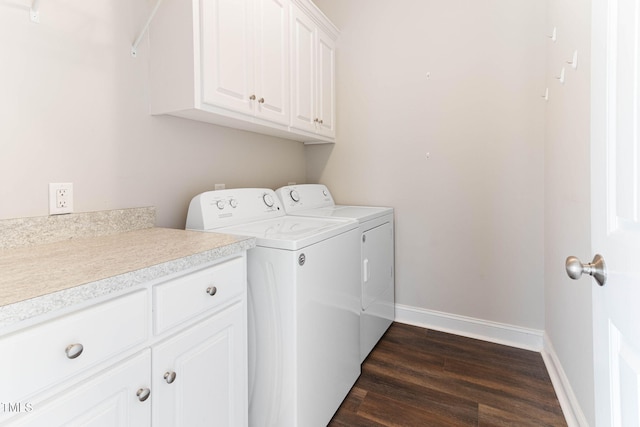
(305, 196)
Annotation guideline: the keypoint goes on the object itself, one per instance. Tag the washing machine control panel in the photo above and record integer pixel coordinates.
(222, 208)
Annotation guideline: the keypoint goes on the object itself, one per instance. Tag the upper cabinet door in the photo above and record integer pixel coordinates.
(303, 72)
(313, 56)
(226, 45)
(272, 60)
(326, 85)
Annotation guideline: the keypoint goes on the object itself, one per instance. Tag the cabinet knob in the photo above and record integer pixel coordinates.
(321, 121)
(169, 377)
(261, 100)
(74, 350)
(252, 97)
(316, 120)
(211, 290)
(143, 394)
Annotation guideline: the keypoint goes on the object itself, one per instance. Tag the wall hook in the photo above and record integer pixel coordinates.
(34, 13)
(574, 60)
(546, 94)
(554, 35)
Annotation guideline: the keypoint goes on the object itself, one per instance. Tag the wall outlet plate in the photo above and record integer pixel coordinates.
(60, 198)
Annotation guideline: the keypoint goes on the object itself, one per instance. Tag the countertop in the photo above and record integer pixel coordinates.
(38, 279)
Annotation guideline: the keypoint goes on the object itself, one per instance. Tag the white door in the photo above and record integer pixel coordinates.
(115, 397)
(615, 175)
(272, 60)
(303, 71)
(199, 376)
(326, 90)
(226, 49)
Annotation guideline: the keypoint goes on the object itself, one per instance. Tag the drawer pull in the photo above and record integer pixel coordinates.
(74, 350)
(169, 377)
(211, 290)
(143, 394)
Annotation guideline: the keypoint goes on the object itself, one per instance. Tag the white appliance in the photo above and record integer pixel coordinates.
(304, 304)
(376, 253)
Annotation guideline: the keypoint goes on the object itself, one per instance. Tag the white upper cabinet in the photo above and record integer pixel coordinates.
(244, 48)
(226, 50)
(312, 75)
(326, 89)
(272, 60)
(228, 62)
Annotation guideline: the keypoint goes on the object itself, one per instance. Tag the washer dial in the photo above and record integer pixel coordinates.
(294, 196)
(268, 200)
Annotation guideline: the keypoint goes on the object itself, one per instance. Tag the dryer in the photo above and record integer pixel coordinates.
(376, 253)
(303, 308)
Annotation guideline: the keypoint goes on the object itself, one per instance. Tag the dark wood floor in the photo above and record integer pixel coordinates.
(421, 377)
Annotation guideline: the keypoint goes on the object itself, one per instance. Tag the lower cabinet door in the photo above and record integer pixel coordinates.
(117, 396)
(199, 376)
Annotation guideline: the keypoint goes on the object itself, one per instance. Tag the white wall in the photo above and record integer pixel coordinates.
(469, 220)
(73, 108)
(568, 321)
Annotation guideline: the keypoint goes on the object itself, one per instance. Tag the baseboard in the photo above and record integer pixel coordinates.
(568, 401)
(500, 333)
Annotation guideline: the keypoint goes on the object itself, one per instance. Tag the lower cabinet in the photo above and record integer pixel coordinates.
(102, 366)
(199, 375)
(116, 397)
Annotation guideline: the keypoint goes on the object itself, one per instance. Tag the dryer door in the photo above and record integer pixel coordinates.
(377, 262)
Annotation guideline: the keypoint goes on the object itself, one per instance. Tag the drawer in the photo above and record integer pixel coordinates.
(40, 356)
(180, 299)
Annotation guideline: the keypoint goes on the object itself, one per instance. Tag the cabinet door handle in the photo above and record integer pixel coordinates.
(252, 97)
(261, 100)
(211, 290)
(74, 350)
(143, 394)
(169, 377)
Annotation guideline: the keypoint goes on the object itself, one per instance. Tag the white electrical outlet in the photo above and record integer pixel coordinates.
(217, 187)
(60, 198)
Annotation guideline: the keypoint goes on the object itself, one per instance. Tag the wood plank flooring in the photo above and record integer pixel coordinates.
(421, 377)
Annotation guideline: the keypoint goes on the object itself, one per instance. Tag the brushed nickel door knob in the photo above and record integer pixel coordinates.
(143, 394)
(169, 377)
(596, 268)
(74, 350)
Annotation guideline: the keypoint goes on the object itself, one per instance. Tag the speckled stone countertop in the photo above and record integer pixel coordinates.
(40, 278)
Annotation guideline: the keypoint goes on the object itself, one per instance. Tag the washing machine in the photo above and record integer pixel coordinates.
(303, 304)
(375, 254)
